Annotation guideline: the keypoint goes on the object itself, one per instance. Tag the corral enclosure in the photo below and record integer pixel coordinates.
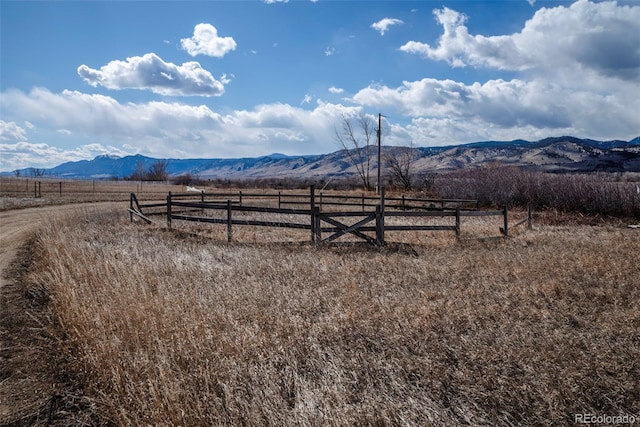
(338, 215)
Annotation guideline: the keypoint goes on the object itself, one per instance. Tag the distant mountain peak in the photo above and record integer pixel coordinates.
(108, 156)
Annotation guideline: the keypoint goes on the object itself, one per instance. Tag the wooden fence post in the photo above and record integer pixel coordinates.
(505, 230)
(317, 227)
(240, 197)
(362, 202)
(379, 227)
(279, 200)
(312, 209)
(131, 207)
(60, 187)
(229, 229)
(380, 219)
(458, 221)
(169, 211)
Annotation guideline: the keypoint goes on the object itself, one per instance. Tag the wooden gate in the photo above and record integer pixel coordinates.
(339, 228)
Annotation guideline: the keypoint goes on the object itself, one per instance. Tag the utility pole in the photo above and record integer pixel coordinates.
(379, 149)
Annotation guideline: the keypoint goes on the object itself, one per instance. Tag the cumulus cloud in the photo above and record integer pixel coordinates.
(275, 1)
(330, 51)
(206, 41)
(42, 155)
(382, 26)
(103, 116)
(336, 90)
(165, 129)
(150, 72)
(10, 131)
(585, 37)
(514, 105)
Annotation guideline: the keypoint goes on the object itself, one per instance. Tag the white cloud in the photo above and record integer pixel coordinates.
(163, 129)
(335, 90)
(10, 131)
(499, 106)
(382, 26)
(225, 79)
(40, 155)
(275, 1)
(330, 51)
(307, 99)
(150, 72)
(103, 116)
(205, 41)
(587, 38)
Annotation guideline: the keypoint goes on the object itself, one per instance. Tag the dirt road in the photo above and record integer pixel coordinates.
(17, 224)
(15, 227)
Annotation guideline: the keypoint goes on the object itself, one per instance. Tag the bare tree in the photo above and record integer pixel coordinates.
(158, 171)
(399, 162)
(355, 136)
(140, 172)
(38, 172)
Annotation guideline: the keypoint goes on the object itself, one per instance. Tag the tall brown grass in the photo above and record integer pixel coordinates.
(173, 328)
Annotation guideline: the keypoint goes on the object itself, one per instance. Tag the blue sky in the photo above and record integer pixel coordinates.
(248, 78)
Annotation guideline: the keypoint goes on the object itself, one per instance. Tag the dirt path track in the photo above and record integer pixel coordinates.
(17, 224)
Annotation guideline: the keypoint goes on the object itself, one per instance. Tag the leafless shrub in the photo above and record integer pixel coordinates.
(400, 165)
(591, 194)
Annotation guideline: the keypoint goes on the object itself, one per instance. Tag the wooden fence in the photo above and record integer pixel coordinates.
(327, 217)
(60, 188)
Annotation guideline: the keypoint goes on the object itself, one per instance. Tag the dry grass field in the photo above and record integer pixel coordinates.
(152, 327)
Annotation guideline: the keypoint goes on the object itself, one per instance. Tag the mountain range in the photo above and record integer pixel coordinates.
(556, 154)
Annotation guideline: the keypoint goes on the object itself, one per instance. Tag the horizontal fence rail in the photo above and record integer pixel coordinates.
(356, 218)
